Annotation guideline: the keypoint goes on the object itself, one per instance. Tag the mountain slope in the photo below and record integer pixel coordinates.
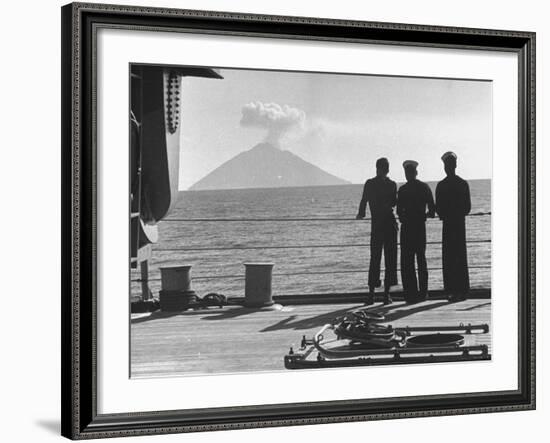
(265, 166)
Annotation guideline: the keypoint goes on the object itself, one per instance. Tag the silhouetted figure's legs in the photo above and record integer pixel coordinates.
(408, 273)
(390, 260)
(456, 279)
(413, 249)
(422, 275)
(376, 245)
(421, 260)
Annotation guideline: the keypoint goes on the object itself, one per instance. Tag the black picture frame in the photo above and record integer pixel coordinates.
(79, 170)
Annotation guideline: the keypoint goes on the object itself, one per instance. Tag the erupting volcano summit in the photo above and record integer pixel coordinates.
(265, 166)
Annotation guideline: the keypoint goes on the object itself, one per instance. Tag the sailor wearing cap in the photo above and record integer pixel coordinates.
(414, 203)
(410, 164)
(453, 203)
(449, 155)
(381, 194)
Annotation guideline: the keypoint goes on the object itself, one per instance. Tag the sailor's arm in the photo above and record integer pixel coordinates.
(394, 195)
(439, 203)
(400, 209)
(363, 204)
(467, 200)
(430, 203)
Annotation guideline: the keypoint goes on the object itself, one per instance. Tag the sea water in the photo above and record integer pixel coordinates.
(218, 231)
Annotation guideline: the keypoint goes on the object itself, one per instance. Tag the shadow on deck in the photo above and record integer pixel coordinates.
(391, 313)
(234, 339)
(236, 309)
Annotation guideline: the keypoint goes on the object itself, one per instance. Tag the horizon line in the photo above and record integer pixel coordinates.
(316, 186)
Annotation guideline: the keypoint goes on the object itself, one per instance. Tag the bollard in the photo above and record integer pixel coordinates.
(257, 290)
(176, 293)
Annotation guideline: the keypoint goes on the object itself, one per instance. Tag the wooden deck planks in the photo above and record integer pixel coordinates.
(235, 339)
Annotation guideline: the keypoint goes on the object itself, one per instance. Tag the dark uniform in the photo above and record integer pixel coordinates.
(452, 205)
(380, 193)
(412, 199)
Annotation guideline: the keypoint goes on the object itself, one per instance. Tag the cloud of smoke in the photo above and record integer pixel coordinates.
(276, 119)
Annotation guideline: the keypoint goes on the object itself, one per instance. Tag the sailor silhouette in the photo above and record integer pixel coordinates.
(414, 203)
(452, 205)
(380, 193)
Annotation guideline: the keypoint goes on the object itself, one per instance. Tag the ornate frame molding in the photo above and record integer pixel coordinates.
(79, 391)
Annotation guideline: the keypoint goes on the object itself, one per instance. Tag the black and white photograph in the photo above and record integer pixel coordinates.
(282, 219)
(289, 220)
(275, 221)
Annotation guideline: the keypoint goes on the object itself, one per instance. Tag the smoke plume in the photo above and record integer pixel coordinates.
(276, 119)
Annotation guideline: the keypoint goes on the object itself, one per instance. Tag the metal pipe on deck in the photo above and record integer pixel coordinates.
(176, 293)
(257, 290)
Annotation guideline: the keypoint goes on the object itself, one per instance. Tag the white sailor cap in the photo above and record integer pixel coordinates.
(447, 155)
(410, 164)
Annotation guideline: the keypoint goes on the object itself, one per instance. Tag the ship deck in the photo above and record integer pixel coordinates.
(236, 339)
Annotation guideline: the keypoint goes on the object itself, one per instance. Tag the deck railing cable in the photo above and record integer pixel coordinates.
(286, 219)
(290, 274)
(323, 246)
(314, 246)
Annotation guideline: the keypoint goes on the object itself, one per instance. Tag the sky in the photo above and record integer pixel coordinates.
(343, 122)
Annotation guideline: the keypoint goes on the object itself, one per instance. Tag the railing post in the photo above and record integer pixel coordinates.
(176, 293)
(257, 291)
